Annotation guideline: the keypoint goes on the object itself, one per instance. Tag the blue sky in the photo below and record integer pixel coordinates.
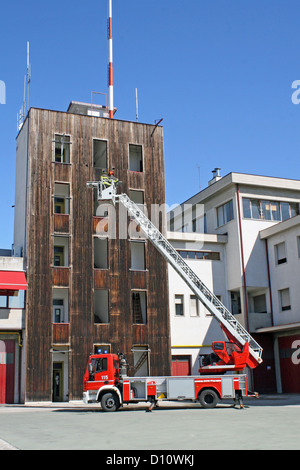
(218, 72)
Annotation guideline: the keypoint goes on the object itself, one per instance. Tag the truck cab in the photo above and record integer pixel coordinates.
(101, 370)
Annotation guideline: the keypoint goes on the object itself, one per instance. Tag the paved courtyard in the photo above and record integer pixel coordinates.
(270, 422)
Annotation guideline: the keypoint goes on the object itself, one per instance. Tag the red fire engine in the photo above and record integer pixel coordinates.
(106, 380)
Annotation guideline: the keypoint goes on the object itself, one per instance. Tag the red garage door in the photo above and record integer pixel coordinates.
(7, 371)
(181, 365)
(289, 350)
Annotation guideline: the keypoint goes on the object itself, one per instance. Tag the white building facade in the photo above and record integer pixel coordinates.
(192, 326)
(283, 248)
(232, 213)
(13, 287)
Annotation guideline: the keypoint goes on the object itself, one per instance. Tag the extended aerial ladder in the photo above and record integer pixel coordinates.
(245, 350)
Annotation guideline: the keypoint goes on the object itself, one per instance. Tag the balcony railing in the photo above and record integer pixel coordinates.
(60, 333)
(61, 223)
(100, 225)
(62, 172)
(101, 279)
(61, 276)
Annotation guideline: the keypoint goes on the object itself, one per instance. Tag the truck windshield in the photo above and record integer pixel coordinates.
(101, 364)
(97, 365)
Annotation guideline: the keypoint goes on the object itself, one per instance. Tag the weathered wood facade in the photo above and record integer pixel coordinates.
(79, 333)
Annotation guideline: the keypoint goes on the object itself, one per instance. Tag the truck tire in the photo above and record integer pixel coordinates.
(208, 398)
(109, 402)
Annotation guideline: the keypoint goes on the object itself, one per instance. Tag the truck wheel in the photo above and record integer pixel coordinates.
(208, 398)
(109, 402)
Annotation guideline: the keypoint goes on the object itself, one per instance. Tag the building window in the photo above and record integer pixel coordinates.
(141, 363)
(269, 210)
(100, 154)
(101, 348)
(60, 305)
(139, 307)
(61, 252)
(225, 213)
(197, 225)
(12, 299)
(185, 228)
(205, 223)
(135, 158)
(59, 205)
(194, 306)
(58, 311)
(61, 198)
(100, 253)
(259, 303)
(284, 299)
(172, 222)
(289, 209)
(235, 303)
(200, 255)
(198, 218)
(138, 256)
(247, 208)
(207, 312)
(62, 148)
(179, 312)
(101, 306)
(280, 253)
(138, 198)
(59, 256)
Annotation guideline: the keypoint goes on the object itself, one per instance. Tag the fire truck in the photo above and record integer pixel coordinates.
(220, 373)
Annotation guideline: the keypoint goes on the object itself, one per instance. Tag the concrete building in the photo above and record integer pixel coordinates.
(236, 210)
(13, 287)
(283, 250)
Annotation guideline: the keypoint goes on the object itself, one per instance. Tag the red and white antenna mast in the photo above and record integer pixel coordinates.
(110, 61)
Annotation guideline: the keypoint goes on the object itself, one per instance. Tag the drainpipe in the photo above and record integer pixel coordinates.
(242, 255)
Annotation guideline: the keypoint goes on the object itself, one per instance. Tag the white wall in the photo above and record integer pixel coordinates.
(11, 263)
(20, 191)
(285, 275)
(12, 322)
(13, 318)
(193, 331)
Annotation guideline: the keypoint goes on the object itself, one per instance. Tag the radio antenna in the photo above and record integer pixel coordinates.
(28, 78)
(136, 105)
(110, 61)
(21, 115)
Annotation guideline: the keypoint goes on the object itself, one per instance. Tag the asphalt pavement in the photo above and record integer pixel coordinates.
(270, 422)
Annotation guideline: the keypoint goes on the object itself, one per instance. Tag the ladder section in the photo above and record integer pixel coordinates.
(211, 302)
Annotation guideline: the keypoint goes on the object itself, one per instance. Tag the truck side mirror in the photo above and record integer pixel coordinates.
(91, 370)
